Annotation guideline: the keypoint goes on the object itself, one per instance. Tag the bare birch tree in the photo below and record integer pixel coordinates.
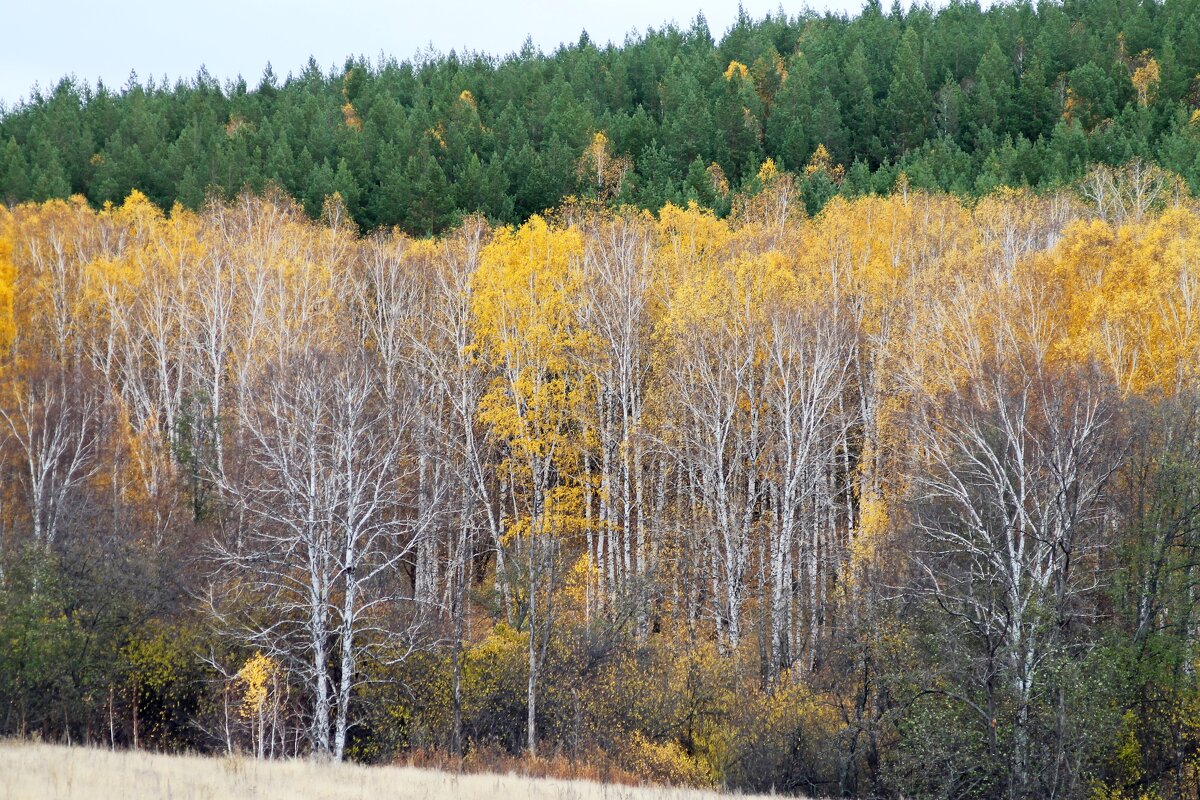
(1016, 455)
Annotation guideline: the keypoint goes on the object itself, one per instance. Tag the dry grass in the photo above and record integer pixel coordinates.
(47, 772)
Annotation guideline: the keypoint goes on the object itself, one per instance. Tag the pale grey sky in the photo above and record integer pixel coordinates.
(47, 39)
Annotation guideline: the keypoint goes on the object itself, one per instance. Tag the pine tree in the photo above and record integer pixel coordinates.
(909, 101)
(786, 129)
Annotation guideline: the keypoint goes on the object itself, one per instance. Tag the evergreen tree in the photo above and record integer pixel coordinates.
(506, 135)
(909, 101)
(787, 126)
(991, 100)
(14, 181)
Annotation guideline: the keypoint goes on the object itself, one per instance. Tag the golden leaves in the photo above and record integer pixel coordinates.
(600, 169)
(523, 302)
(768, 172)
(1145, 78)
(8, 274)
(258, 676)
(736, 69)
(1130, 298)
(350, 117)
(924, 286)
(821, 163)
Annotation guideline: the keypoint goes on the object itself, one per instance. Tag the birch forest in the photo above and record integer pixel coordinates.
(809, 410)
(901, 499)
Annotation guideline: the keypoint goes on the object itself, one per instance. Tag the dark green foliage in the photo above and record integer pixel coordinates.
(909, 102)
(965, 97)
(91, 649)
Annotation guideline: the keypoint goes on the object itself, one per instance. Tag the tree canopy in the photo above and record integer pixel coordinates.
(959, 99)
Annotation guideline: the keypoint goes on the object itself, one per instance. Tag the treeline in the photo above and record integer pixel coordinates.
(960, 99)
(900, 500)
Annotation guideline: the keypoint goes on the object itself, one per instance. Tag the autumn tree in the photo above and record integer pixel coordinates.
(523, 296)
(1017, 448)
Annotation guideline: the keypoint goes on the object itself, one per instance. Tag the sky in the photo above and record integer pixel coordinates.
(47, 39)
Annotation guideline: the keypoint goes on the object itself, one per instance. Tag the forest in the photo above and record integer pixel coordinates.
(897, 500)
(812, 412)
(961, 99)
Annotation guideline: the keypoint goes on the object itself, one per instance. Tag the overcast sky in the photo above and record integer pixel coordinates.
(47, 39)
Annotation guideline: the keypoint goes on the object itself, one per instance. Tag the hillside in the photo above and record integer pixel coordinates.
(959, 99)
(812, 412)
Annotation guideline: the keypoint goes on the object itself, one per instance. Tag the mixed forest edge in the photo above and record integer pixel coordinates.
(812, 411)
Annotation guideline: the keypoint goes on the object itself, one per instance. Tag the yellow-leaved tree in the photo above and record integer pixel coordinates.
(1130, 294)
(262, 700)
(523, 300)
(8, 275)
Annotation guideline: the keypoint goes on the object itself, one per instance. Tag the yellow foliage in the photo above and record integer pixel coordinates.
(1128, 298)
(523, 301)
(922, 283)
(1071, 106)
(873, 521)
(523, 295)
(494, 666)
(736, 69)
(258, 675)
(350, 117)
(1145, 79)
(690, 239)
(821, 162)
(438, 132)
(159, 658)
(600, 168)
(8, 275)
(767, 173)
(663, 762)
(582, 574)
(716, 175)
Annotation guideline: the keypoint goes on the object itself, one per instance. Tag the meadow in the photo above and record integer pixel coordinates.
(33, 771)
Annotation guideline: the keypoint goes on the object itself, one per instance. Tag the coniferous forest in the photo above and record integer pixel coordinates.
(961, 100)
(814, 410)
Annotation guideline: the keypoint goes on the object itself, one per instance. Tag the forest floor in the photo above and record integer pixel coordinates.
(31, 771)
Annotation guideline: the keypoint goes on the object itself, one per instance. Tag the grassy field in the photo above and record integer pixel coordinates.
(49, 772)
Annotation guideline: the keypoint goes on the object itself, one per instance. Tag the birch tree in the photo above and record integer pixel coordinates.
(614, 311)
(55, 421)
(1017, 450)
